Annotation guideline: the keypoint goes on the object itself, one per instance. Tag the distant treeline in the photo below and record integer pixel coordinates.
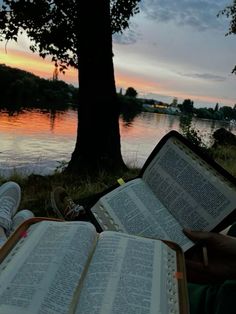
(222, 113)
(216, 113)
(21, 89)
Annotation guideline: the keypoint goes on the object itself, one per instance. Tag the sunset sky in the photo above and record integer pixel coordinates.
(174, 48)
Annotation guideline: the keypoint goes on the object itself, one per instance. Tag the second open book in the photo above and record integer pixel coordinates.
(178, 188)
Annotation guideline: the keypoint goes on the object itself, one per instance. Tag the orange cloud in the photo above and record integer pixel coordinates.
(44, 68)
(146, 86)
(140, 83)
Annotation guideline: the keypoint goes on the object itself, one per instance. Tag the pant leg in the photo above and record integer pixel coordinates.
(232, 230)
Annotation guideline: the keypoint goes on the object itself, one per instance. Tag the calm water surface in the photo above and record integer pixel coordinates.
(38, 141)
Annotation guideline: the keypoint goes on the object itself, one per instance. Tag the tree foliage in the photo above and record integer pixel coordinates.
(130, 107)
(223, 113)
(131, 92)
(230, 12)
(78, 33)
(174, 102)
(190, 133)
(21, 88)
(187, 106)
(52, 26)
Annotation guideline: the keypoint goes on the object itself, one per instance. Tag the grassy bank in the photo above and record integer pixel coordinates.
(36, 189)
(226, 157)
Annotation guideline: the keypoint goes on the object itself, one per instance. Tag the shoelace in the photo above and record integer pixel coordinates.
(72, 210)
(6, 206)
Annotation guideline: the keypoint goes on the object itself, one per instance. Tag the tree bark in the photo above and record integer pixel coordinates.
(98, 136)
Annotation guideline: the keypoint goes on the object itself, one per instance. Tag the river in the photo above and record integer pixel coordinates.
(38, 141)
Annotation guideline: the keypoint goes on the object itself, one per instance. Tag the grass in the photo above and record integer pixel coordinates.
(36, 189)
(226, 157)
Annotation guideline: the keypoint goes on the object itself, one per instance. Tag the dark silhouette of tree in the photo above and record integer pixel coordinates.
(21, 88)
(228, 112)
(131, 92)
(79, 33)
(130, 107)
(230, 12)
(216, 107)
(174, 102)
(187, 106)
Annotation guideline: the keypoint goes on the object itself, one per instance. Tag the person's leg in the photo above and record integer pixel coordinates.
(20, 217)
(10, 195)
(232, 230)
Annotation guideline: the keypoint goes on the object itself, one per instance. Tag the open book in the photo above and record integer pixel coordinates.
(53, 267)
(178, 188)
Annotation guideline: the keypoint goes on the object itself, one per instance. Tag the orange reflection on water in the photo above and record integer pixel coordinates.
(44, 137)
(36, 122)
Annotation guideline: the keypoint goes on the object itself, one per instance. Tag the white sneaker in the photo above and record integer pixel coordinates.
(10, 196)
(20, 217)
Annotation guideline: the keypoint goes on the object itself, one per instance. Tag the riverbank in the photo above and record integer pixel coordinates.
(36, 188)
(226, 157)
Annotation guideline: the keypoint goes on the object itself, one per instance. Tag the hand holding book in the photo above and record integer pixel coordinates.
(221, 254)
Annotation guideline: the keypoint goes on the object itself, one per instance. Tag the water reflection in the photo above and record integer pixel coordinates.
(41, 138)
(171, 121)
(52, 119)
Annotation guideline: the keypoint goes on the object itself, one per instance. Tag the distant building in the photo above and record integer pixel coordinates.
(148, 107)
(160, 107)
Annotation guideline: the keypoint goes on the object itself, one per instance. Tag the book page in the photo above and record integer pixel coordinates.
(194, 193)
(129, 274)
(134, 209)
(42, 272)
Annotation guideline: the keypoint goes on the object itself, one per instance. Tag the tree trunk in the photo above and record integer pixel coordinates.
(98, 136)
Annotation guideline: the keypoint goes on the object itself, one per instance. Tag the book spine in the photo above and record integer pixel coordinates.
(104, 219)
